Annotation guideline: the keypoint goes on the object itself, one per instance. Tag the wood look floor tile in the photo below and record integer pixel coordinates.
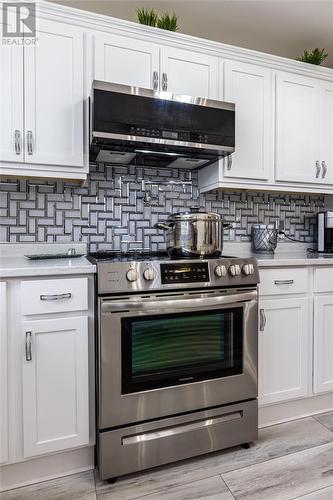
(75, 487)
(326, 419)
(211, 488)
(274, 441)
(323, 494)
(284, 478)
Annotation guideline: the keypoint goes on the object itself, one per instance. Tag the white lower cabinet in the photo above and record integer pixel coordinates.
(3, 374)
(55, 385)
(323, 343)
(284, 340)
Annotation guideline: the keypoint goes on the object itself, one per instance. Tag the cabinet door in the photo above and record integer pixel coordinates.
(284, 364)
(250, 87)
(3, 374)
(127, 61)
(326, 154)
(323, 343)
(54, 96)
(11, 103)
(55, 385)
(297, 148)
(188, 73)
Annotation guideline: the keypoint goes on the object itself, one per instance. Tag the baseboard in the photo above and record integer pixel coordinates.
(45, 468)
(297, 408)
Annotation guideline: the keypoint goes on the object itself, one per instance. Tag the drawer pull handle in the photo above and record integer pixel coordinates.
(28, 352)
(263, 320)
(60, 296)
(283, 282)
(181, 428)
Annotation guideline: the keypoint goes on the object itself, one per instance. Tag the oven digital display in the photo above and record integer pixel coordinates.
(188, 273)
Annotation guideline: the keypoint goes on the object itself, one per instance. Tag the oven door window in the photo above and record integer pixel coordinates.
(172, 349)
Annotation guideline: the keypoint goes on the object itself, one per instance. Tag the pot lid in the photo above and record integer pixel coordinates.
(195, 214)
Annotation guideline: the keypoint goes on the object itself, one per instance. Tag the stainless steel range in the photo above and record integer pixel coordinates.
(177, 358)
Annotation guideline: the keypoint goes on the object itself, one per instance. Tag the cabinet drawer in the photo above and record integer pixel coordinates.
(283, 281)
(54, 296)
(323, 279)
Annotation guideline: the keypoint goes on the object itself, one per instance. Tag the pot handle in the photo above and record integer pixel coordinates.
(164, 226)
(227, 225)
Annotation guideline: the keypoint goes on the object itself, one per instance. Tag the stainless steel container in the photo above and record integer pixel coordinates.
(264, 238)
(193, 234)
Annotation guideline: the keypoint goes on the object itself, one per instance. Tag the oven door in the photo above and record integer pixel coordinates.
(175, 353)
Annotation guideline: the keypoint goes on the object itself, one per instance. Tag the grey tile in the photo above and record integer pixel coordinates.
(113, 191)
(324, 494)
(212, 488)
(75, 487)
(284, 478)
(326, 419)
(274, 441)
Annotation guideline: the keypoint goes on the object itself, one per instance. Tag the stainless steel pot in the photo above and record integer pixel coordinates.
(193, 234)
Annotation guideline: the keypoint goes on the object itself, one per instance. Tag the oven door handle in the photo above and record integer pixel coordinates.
(173, 303)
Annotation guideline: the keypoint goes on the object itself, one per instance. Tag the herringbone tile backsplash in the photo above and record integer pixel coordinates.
(119, 206)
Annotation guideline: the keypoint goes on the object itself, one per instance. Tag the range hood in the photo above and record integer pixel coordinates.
(136, 126)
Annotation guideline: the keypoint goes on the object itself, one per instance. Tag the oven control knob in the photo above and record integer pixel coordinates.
(149, 274)
(248, 269)
(220, 271)
(132, 274)
(234, 270)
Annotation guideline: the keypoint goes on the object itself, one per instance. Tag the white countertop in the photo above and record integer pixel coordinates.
(14, 264)
(286, 254)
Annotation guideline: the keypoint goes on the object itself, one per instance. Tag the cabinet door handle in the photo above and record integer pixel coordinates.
(155, 80)
(30, 144)
(318, 169)
(283, 282)
(263, 320)
(164, 81)
(229, 163)
(56, 297)
(323, 164)
(28, 352)
(17, 142)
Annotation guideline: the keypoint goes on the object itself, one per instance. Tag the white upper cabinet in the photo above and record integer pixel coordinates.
(189, 73)
(54, 95)
(297, 148)
(55, 385)
(42, 104)
(326, 156)
(11, 103)
(127, 61)
(250, 87)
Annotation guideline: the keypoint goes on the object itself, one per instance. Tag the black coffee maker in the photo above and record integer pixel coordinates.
(325, 232)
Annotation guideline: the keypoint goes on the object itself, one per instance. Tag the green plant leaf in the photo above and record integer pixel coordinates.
(168, 22)
(317, 56)
(147, 16)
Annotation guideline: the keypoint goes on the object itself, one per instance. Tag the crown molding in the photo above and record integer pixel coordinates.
(98, 22)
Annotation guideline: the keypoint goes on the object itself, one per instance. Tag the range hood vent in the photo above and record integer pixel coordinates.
(130, 125)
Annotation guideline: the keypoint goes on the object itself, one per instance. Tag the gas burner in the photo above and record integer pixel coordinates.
(142, 255)
(129, 256)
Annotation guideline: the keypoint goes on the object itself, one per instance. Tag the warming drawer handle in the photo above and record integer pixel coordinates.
(176, 303)
(283, 282)
(60, 296)
(179, 429)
